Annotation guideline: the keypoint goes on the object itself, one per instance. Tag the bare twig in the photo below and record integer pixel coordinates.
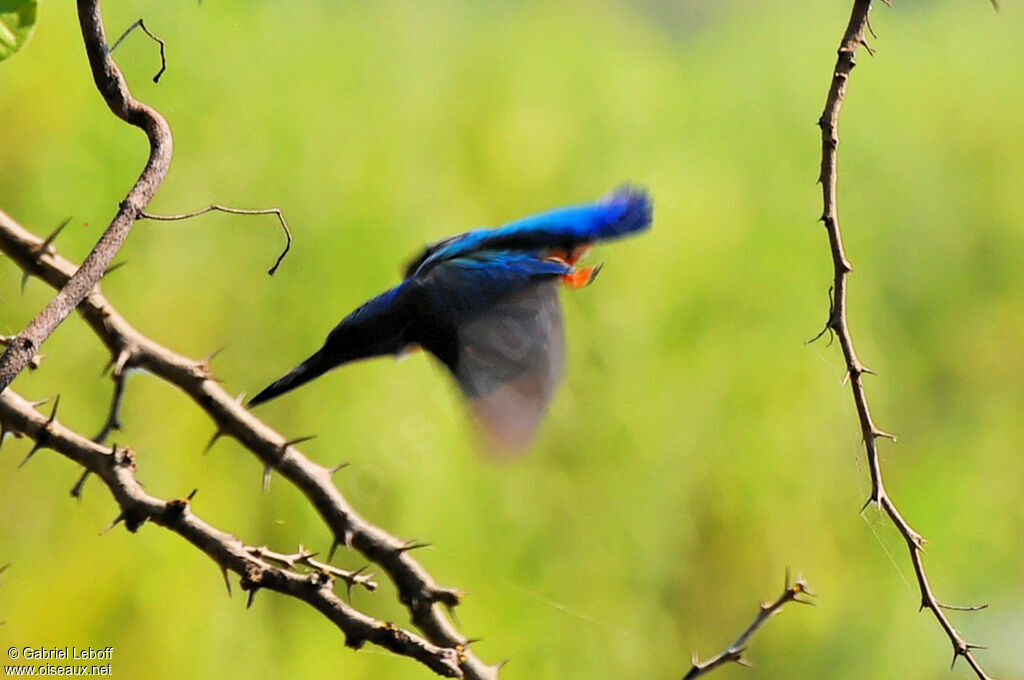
(112, 86)
(305, 558)
(837, 323)
(163, 58)
(116, 467)
(234, 211)
(424, 598)
(734, 652)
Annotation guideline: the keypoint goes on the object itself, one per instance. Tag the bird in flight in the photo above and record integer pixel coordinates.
(485, 303)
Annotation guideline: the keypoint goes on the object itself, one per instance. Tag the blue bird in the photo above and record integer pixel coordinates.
(485, 303)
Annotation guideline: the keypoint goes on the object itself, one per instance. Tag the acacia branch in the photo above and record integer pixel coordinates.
(111, 84)
(838, 324)
(257, 567)
(734, 652)
(424, 598)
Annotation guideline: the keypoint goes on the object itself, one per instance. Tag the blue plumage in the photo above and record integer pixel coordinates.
(623, 212)
(485, 303)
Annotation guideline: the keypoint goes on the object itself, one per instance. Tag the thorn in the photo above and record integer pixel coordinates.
(453, 613)
(267, 470)
(113, 268)
(53, 413)
(252, 596)
(334, 468)
(297, 440)
(113, 524)
(192, 495)
(413, 545)
(806, 589)
(76, 490)
(741, 660)
(334, 547)
(205, 361)
(39, 402)
(350, 582)
(871, 499)
(47, 245)
(885, 435)
(123, 358)
(227, 580)
(213, 440)
(35, 447)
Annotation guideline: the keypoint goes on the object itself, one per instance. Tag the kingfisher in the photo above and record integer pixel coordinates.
(485, 304)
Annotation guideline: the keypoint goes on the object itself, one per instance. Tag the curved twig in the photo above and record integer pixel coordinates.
(111, 84)
(258, 567)
(837, 323)
(234, 211)
(140, 24)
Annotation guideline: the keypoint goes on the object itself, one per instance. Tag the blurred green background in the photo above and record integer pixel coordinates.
(697, 448)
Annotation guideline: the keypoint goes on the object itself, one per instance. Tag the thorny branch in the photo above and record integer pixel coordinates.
(734, 652)
(837, 324)
(111, 84)
(78, 288)
(418, 591)
(258, 567)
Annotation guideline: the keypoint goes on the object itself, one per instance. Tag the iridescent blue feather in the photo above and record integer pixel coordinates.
(623, 212)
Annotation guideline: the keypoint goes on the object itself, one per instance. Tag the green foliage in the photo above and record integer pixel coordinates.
(697, 448)
(17, 23)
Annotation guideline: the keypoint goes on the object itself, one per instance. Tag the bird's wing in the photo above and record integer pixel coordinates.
(511, 360)
(625, 211)
(507, 349)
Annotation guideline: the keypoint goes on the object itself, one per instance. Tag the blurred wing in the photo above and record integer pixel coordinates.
(623, 212)
(510, 362)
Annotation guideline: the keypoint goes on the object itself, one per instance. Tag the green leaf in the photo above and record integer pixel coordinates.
(17, 22)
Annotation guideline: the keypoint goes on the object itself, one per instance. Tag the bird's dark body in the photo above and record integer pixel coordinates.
(485, 303)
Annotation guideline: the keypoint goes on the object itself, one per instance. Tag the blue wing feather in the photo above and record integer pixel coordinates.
(623, 212)
(466, 286)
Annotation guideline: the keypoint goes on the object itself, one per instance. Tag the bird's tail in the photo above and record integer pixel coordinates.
(311, 368)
